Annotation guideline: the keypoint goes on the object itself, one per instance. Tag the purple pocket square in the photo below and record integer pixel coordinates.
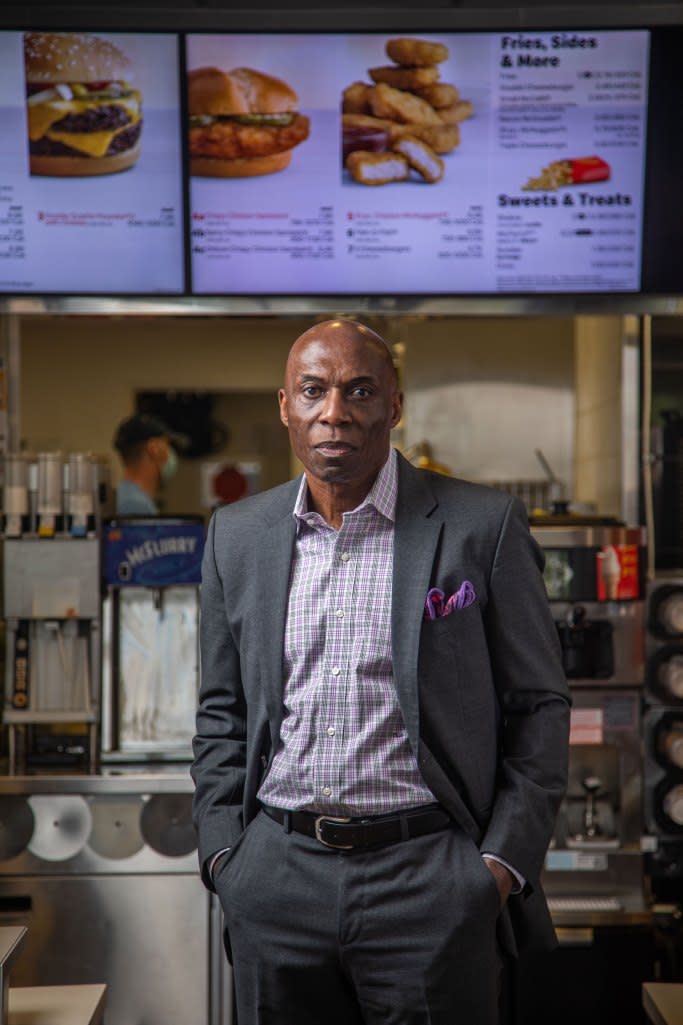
(437, 605)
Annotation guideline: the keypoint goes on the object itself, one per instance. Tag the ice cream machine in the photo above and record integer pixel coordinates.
(150, 675)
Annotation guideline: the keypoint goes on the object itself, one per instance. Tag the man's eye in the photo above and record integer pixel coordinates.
(360, 392)
(311, 391)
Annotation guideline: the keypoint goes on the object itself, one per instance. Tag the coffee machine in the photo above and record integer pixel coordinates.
(594, 574)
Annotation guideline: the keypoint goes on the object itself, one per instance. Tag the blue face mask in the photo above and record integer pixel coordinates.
(170, 467)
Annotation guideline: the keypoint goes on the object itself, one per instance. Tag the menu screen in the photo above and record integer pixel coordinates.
(91, 196)
(448, 163)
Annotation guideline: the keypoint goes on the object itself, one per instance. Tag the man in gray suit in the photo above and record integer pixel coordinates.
(381, 739)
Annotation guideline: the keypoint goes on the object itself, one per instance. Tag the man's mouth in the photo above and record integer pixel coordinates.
(334, 448)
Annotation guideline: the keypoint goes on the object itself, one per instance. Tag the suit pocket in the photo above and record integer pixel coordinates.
(489, 884)
(444, 641)
(458, 621)
(227, 860)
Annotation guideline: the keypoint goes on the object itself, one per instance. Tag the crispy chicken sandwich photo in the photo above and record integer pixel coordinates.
(242, 123)
(83, 115)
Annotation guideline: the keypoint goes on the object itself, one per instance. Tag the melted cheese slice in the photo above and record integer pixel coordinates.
(94, 144)
(42, 116)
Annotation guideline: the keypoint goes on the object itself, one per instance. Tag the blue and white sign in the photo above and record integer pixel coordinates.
(156, 553)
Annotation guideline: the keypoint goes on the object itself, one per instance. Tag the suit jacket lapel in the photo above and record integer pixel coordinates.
(275, 559)
(416, 535)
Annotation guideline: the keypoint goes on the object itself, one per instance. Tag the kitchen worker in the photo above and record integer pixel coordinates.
(382, 729)
(145, 445)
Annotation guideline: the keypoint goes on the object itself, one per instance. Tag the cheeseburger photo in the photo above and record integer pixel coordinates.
(242, 122)
(83, 115)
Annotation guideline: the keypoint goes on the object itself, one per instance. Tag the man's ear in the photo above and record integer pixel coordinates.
(397, 408)
(155, 448)
(282, 400)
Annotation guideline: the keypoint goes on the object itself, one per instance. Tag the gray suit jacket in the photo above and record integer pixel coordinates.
(482, 691)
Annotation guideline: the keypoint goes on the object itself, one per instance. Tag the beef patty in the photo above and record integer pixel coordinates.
(51, 147)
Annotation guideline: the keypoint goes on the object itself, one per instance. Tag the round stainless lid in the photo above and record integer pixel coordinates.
(166, 824)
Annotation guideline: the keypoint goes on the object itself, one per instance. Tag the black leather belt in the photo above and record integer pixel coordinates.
(350, 834)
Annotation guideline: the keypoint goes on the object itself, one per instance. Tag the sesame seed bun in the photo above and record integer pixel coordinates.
(72, 57)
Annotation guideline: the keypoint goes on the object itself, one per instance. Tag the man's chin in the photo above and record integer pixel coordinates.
(334, 475)
(333, 470)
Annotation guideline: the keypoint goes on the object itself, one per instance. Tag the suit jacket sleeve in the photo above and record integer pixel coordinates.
(219, 767)
(534, 699)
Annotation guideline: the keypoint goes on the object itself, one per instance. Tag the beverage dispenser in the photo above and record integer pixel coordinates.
(15, 496)
(51, 589)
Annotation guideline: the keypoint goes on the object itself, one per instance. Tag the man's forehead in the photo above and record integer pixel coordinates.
(361, 355)
(328, 361)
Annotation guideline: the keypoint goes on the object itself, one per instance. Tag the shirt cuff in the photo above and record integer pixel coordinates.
(213, 860)
(520, 881)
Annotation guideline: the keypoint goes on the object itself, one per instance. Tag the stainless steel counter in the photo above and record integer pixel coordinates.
(12, 940)
(663, 1002)
(103, 871)
(119, 781)
(57, 1005)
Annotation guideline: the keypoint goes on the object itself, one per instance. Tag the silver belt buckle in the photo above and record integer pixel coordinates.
(326, 843)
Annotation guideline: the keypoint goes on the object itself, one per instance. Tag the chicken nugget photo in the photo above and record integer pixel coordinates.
(458, 112)
(365, 121)
(440, 94)
(442, 138)
(368, 168)
(421, 158)
(401, 106)
(404, 117)
(405, 78)
(416, 51)
(356, 98)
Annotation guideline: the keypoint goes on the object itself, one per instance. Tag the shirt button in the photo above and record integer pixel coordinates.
(330, 731)
(327, 791)
(339, 613)
(345, 557)
(336, 671)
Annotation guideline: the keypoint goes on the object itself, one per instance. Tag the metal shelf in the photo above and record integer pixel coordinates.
(27, 717)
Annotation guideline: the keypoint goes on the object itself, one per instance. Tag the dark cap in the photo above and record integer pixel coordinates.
(141, 427)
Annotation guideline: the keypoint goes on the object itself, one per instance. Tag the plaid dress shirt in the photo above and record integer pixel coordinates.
(343, 749)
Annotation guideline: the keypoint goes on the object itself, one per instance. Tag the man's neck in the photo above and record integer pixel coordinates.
(331, 501)
(146, 477)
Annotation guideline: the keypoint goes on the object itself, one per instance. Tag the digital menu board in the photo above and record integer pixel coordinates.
(510, 162)
(91, 192)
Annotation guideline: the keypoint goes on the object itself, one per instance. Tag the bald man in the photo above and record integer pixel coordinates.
(382, 731)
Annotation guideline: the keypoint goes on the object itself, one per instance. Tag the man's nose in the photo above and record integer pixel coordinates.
(334, 408)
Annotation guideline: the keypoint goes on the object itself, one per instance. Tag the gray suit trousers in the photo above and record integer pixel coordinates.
(399, 935)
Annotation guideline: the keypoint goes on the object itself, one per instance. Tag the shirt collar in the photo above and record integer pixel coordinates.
(381, 496)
